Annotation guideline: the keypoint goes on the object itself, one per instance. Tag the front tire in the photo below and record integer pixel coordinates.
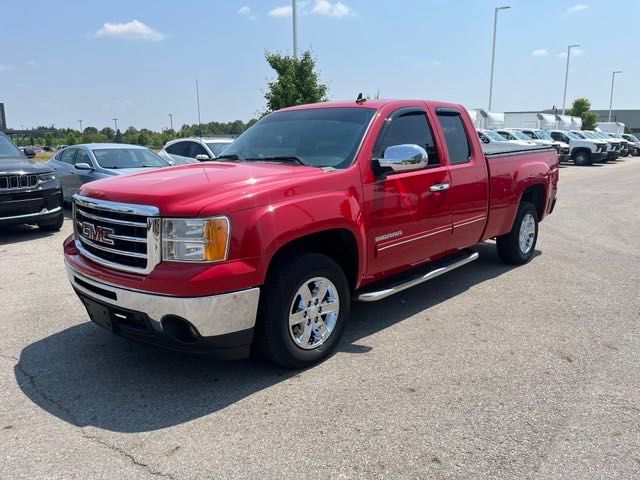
(52, 225)
(582, 158)
(517, 246)
(304, 307)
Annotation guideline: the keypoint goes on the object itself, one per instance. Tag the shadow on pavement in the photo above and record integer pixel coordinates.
(86, 376)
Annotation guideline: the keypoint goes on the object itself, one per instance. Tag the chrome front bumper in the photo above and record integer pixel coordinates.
(212, 315)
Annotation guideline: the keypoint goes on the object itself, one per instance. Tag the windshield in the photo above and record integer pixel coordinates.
(589, 135)
(579, 135)
(320, 137)
(217, 147)
(8, 149)
(495, 136)
(529, 134)
(543, 135)
(633, 138)
(127, 158)
(573, 135)
(519, 135)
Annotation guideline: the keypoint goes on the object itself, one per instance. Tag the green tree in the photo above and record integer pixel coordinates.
(581, 108)
(118, 137)
(109, 133)
(296, 82)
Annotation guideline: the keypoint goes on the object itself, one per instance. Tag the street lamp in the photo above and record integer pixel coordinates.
(613, 79)
(115, 123)
(80, 122)
(171, 120)
(493, 50)
(294, 14)
(566, 76)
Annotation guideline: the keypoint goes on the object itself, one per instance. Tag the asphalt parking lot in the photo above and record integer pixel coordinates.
(487, 372)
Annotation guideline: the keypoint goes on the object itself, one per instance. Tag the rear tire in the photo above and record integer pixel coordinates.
(517, 246)
(52, 225)
(582, 158)
(292, 332)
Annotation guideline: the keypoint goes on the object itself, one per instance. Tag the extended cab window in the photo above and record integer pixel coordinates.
(409, 128)
(456, 138)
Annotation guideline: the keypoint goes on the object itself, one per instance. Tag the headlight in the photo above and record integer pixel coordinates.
(47, 177)
(195, 239)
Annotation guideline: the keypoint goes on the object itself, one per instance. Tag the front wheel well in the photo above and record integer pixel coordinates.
(338, 244)
(535, 194)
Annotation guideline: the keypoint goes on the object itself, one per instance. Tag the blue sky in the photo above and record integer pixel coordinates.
(138, 60)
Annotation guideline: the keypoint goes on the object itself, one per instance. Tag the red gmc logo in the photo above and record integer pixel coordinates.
(97, 233)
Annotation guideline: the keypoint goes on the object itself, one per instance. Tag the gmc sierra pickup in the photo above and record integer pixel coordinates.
(312, 207)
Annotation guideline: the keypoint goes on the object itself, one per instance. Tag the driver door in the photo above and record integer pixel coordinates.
(409, 221)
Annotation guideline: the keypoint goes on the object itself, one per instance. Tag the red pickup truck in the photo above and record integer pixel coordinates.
(312, 207)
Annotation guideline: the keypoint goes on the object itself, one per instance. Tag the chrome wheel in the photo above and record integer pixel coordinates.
(527, 233)
(314, 313)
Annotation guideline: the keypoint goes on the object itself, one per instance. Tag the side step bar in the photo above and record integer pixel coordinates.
(438, 268)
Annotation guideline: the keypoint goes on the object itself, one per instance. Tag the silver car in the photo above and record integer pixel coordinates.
(85, 163)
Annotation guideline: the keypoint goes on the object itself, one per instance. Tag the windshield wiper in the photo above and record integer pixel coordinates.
(283, 158)
(230, 156)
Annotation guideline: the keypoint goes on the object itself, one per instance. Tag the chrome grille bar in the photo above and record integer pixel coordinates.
(18, 182)
(112, 250)
(111, 220)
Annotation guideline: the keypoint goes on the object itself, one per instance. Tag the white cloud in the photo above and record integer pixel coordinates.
(579, 7)
(284, 11)
(244, 10)
(6, 68)
(31, 63)
(540, 52)
(133, 30)
(324, 8)
(336, 9)
(437, 63)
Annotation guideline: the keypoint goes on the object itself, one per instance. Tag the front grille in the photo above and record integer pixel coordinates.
(18, 182)
(565, 150)
(121, 236)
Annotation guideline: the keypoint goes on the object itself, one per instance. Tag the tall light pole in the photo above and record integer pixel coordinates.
(115, 124)
(566, 76)
(171, 120)
(613, 79)
(493, 50)
(294, 14)
(80, 122)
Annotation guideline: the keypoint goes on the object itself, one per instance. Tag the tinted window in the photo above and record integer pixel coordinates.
(180, 148)
(68, 155)
(217, 148)
(82, 157)
(456, 138)
(410, 128)
(322, 137)
(196, 149)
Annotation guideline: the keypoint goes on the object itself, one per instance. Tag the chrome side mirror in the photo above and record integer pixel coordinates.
(202, 157)
(403, 158)
(83, 166)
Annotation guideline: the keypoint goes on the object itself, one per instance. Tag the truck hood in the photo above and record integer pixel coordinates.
(22, 165)
(186, 190)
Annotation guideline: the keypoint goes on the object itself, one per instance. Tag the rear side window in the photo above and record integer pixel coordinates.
(456, 138)
(68, 155)
(409, 128)
(197, 149)
(181, 149)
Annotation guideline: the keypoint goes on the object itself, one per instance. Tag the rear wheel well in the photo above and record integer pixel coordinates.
(338, 244)
(535, 194)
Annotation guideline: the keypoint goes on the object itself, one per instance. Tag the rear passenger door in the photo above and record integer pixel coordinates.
(468, 195)
(65, 170)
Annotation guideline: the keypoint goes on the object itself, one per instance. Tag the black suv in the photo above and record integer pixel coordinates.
(29, 191)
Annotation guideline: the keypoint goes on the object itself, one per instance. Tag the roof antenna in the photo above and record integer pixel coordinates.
(360, 100)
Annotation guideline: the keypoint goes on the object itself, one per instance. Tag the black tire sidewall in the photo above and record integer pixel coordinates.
(53, 225)
(278, 296)
(585, 156)
(525, 208)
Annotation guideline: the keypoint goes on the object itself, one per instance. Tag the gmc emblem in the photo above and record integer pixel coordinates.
(97, 233)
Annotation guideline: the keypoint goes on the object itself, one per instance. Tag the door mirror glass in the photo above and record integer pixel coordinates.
(29, 152)
(83, 166)
(202, 157)
(403, 158)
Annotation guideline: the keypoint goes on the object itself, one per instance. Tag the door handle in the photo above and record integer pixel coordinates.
(439, 187)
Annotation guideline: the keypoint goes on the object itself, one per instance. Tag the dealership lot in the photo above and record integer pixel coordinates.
(487, 372)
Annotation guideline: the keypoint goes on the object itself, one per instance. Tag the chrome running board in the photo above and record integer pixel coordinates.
(438, 268)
